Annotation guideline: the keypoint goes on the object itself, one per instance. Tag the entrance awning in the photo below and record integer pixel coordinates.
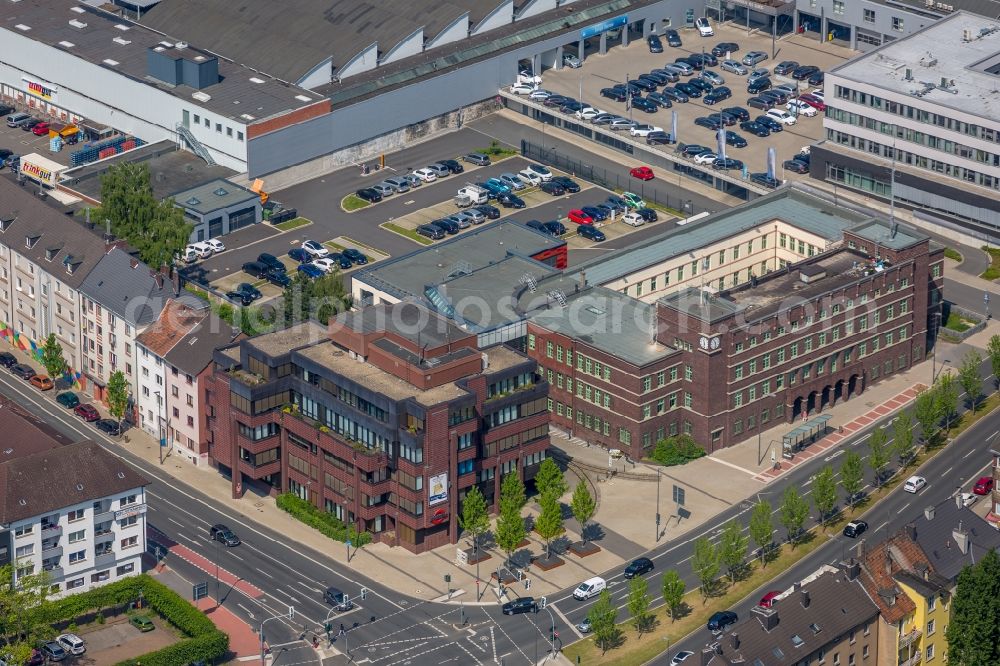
(802, 435)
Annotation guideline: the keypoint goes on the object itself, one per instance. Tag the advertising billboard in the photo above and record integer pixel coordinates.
(437, 492)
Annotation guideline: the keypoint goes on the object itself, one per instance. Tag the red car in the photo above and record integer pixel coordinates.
(814, 102)
(87, 412)
(40, 129)
(578, 216)
(767, 600)
(642, 173)
(983, 486)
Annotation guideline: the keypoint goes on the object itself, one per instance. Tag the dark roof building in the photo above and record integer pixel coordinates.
(954, 537)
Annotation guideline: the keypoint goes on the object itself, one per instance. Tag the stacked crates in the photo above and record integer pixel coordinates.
(99, 150)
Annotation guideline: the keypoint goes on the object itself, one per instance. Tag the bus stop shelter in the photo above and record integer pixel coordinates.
(804, 435)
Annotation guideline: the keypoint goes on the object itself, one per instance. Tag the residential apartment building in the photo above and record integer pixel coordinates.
(175, 358)
(923, 107)
(44, 258)
(385, 420)
(86, 530)
(826, 618)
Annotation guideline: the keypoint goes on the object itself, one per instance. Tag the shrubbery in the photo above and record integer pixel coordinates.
(676, 450)
(327, 523)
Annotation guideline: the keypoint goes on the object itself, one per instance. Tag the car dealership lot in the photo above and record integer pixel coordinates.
(621, 64)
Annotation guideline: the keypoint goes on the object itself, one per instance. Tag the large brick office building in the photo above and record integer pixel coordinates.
(776, 313)
(386, 419)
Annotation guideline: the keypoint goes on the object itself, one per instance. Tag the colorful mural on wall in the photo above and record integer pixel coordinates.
(26, 344)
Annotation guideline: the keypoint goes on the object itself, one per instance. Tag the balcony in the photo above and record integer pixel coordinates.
(259, 471)
(104, 535)
(104, 517)
(50, 530)
(105, 559)
(52, 550)
(912, 661)
(908, 638)
(54, 571)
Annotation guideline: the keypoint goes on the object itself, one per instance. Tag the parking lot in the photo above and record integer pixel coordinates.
(22, 142)
(621, 64)
(118, 641)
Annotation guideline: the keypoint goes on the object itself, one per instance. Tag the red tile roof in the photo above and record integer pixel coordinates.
(175, 321)
(881, 563)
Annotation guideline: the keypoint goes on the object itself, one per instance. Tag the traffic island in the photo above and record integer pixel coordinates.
(584, 548)
(548, 563)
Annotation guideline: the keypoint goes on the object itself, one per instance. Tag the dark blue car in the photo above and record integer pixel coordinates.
(311, 271)
(591, 232)
(299, 255)
(595, 213)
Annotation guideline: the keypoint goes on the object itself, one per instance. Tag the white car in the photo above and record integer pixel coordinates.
(644, 130)
(799, 108)
(525, 76)
(539, 94)
(522, 88)
(968, 499)
(425, 175)
(216, 245)
(633, 219)
(203, 249)
(571, 61)
(681, 657)
(914, 484)
(326, 264)
(704, 27)
(705, 158)
(588, 113)
(782, 117)
(188, 255)
(818, 93)
(315, 249)
(543, 172)
(72, 643)
(530, 177)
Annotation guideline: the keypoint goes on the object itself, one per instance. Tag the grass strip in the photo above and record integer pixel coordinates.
(952, 253)
(353, 202)
(294, 224)
(993, 272)
(408, 233)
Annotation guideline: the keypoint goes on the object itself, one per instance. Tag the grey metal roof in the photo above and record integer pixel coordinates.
(791, 205)
(194, 351)
(939, 51)
(701, 305)
(129, 288)
(234, 95)
(935, 537)
(883, 234)
(419, 324)
(939, 9)
(212, 196)
(62, 245)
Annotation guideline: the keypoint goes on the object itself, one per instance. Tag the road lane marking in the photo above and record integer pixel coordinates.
(264, 573)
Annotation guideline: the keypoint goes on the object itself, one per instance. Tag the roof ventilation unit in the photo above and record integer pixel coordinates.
(120, 40)
(181, 45)
(78, 10)
(79, 25)
(200, 96)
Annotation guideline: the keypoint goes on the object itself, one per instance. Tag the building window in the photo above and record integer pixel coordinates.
(25, 551)
(130, 542)
(930, 627)
(77, 536)
(24, 530)
(125, 569)
(930, 652)
(466, 467)
(838, 6)
(76, 582)
(78, 556)
(239, 136)
(75, 515)
(897, 25)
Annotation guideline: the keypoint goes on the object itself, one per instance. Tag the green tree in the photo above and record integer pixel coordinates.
(793, 513)
(22, 604)
(902, 439)
(761, 526)
(705, 564)
(319, 299)
(878, 453)
(583, 506)
(974, 629)
(475, 519)
(927, 411)
(852, 476)
(549, 524)
(52, 357)
(824, 492)
(510, 523)
(673, 592)
(549, 480)
(733, 548)
(676, 450)
(117, 395)
(603, 616)
(970, 378)
(638, 603)
(156, 229)
(946, 393)
(993, 352)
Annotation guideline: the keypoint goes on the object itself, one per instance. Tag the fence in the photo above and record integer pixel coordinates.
(958, 336)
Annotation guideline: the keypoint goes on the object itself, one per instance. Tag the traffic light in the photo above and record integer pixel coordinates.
(527, 583)
(328, 628)
(364, 593)
(541, 603)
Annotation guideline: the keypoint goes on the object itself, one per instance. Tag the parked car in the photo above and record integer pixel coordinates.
(737, 112)
(271, 261)
(244, 293)
(72, 643)
(673, 38)
(87, 412)
(223, 535)
(795, 166)
(720, 620)
(770, 123)
(430, 231)
(616, 94)
(299, 254)
(571, 61)
(555, 227)
(7, 360)
(658, 138)
(537, 226)
(727, 164)
(453, 166)
(984, 486)
(722, 48)
(108, 426)
(693, 149)
(279, 278)
(734, 67)
(804, 72)
(645, 85)
(855, 528)
(426, 174)
(68, 399)
(778, 96)
(520, 605)
(311, 271)
(638, 567)
(707, 157)
(647, 214)
(701, 84)
(758, 85)
(42, 382)
(477, 158)
(681, 657)
(754, 57)
(660, 99)
(712, 77)
(41, 129)
(720, 94)
(142, 623)
(490, 212)
(633, 219)
(357, 257)
(761, 178)
(812, 100)
(704, 27)
(709, 122)
(633, 200)
(675, 95)
(555, 189)
(542, 171)
(800, 108)
(579, 217)
(754, 128)
(760, 103)
(781, 116)
(22, 370)
(414, 180)
(642, 173)
(512, 181)
(30, 123)
(688, 89)
(315, 248)
(616, 203)
(816, 79)
(588, 113)
(568, 184)
(654, 43)
(510, 200)
(785, 67)
(521, 88)
(914, 484)
(590, 232)
(735, 140)
(758, 73)
(440, 170)
(767, 600)
(15, 120)
(53, 651)
(683, 66)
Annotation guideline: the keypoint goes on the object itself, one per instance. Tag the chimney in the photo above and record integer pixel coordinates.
(768, 617)
(177, 282)
(851, 568)
(961, 539)
(888, 561)
(929, 513)
(582, 284)
(158, 277)
(735, 640)
(804, 596)
(796, 586)
(861, 549)
(958, 500)
(911, 531)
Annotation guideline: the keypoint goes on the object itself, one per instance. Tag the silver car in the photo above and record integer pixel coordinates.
(571, 61)
(712, 77)
(413, 180)
(754, 57)
(682, 67)
(512, 181)
(398, 183)
(461, 220)
(477, 216)
(789, 89)
(439, 169)
(384, 189)
(733, 66)
(621, 124)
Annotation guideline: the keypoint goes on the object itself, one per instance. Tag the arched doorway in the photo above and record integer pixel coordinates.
(838, 391)
(827, 397)
(796, 410)
(811, 403)
(855, 385)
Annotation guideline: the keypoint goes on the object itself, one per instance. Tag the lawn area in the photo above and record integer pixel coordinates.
(353, 202)
(958, 323)
(408, 233)
(293, 224)
(952, 253)
(993, 272)
(497, 151)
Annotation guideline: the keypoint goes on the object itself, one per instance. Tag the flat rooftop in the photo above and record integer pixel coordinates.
(90, 33)
(283, 341)
(337, 360)
(962, 50)
(406, 319)
(213, 195)
(502, 357)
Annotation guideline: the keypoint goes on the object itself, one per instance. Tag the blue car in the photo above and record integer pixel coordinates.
(590, 232)
(595, 213)
(496, 186)
(299, 255)
(311, 271)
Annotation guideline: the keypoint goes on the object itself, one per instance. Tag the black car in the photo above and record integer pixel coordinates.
(725, 118)
(694, 63)
(644, 104)
(255, 269)
(727, 164)
(735, 140)
(660, 99)
(795, 166)
(108, 426)
(804, 72)
(770, 123)
(720, 620)
(759, 85)
(369, 194)
(692, 149)
(754, 128)
(595, 213)
(224, 535)
(568, 184)
(720, 94)
(450, 226)
(816, 79)
(616, 94)
(555, 100)
(761, 103)
(675, 94)
(520, 605)
(453, 165)
(688, 89)
(430, 231)
(723, 48)
(338, 599)
(638, 567)
(5, 153)
(271, 261)
(537, 226)
(591, 232)
(510, 200)
(29, 124)
(659, 138)
(655, 45)
(6, 110)
(707, 59)
(644, 85)
(23, 371)
(738, 112)
(7, 360)
(344, 261)
(702, 85)
(553, 188)
(763, 179)
(647, 214)
(245, 293)
(279, 278)
(68, 399)
(491, 212)
(656, 77)
(855, 528)
(355, 256)
(669, 75)
(778, 96)
(555, 227)
(708, 122)
(673, 39)
(616, 203)
(571, 107)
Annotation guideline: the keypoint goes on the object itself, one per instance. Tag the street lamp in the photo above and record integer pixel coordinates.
(760, 426)
(937, 326)
(161, 409)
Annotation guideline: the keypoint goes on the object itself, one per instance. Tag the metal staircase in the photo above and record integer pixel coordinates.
(197, 146)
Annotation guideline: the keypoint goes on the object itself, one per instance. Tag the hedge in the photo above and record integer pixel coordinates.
(204, 642)
(676, 450)
(327, 523)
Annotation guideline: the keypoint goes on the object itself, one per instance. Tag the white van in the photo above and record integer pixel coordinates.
(590, 587)
(476, 194)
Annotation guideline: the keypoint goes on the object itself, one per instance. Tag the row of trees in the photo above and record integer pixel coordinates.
(54, 362)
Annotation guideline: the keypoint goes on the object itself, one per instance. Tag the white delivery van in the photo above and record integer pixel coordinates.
(477, 195)
(590, 588)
